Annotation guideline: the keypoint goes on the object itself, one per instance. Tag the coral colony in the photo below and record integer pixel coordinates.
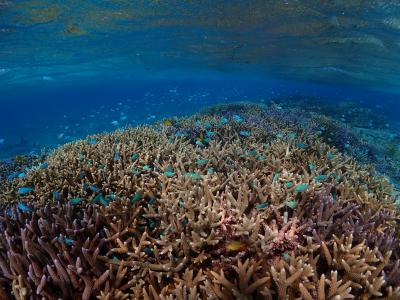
(234, 203)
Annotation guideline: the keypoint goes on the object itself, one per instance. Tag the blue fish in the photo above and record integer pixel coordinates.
(23, 207)
(12, 176)
(56, 195)
(237, 118)
(75, 200)
(321, 177)
(262, 205)
(67, 241)
(223, 121)
(210, 133)
(180, 134)
(94, 188)
(43, 166)
(102, 200)
(244, 133)
(24, 190)
(117, 156)
(169, 173)
(201, 161)
(199, 143)
(301, 145)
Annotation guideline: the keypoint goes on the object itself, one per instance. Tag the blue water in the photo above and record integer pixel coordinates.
(53, 113)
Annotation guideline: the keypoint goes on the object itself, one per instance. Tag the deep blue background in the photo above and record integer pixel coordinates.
(46, 114)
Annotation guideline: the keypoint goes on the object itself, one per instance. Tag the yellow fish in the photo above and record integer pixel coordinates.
(168, 122)
(236, 246)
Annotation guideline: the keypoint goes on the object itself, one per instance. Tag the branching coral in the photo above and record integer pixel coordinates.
(204, 208)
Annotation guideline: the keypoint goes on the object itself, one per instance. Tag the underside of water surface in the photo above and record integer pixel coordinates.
(190, 150)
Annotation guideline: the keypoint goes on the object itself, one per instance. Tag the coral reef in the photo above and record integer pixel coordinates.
(19, 165)
(369, 143)
(243, 205)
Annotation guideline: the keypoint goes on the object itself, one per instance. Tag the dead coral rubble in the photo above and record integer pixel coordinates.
(205, 208)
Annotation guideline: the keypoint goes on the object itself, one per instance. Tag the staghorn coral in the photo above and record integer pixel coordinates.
(202, 208)
(53, 252)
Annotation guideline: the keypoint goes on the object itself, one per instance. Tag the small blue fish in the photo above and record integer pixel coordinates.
(201, 161)
(330, 156)
(43, 166)
(262, 205)
(244, 133)
(12, 176)
(101, 199)
(152, 201)
(321, 177)
(210, 133)
(56, 195)
(301, 145)
(137, 197)
(151, 224)
(199, 143)
(23, 207)
(75, 201)
(169, 169)
(301, 188)
(24, 190)
(134, 156)
(223, 121)
(237, 118)
(94, 188)
(67, 241)
(117, 156)
(289, 184)
(146, 168)
(276, 177)
(21, 175)
(180, 134)
(92, 141)
(169, 173)
(291, 203)
(194, 175)
(148, 251)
